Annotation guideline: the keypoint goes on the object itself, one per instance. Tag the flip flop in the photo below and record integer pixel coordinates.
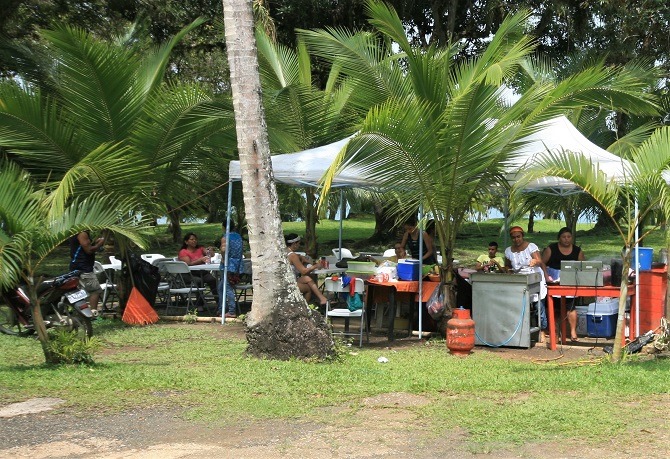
(574, 340)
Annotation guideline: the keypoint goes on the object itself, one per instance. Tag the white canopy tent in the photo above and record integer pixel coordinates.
(556, 135)
(307, 168)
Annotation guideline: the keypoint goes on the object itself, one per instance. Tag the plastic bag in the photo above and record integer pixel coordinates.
(435, 304)
(355, 302)
(386, 273)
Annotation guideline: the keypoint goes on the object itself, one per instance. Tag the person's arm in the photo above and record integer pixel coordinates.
(581, 256)
(546, 255)
(186, 259)
(87, 245)
(479, 265)
(403, 243)
(536, 260)
(297, 261)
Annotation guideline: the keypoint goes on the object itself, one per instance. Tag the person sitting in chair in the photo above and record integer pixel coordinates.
(302, 269)
(490, 262)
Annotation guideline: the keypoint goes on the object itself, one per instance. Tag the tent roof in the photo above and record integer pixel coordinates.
(306, 168)
(560, 134)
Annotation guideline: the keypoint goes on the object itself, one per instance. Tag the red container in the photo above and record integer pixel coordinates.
(460, 332)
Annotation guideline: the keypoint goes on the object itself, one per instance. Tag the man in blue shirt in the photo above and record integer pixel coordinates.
(235, 267)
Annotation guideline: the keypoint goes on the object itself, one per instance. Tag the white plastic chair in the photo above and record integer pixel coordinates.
(150, 257)
(346, 253)
(113, 260)
(335, 287)
(389, 253)
(181, 283)
(107, 286)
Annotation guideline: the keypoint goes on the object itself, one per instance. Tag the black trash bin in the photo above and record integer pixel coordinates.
(138, 273)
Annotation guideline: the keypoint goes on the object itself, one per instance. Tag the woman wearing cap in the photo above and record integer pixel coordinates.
(302, 269)
(552, 256)
(523, 254)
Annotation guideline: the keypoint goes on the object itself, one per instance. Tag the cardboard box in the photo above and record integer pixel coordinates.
(601, 318)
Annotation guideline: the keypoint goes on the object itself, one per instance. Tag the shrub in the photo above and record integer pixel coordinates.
(68, 347)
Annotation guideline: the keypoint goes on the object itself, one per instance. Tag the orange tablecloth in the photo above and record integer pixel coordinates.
(561, 291)
(404, 286)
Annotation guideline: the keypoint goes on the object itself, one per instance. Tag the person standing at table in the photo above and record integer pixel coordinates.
(235, 268)
(491, 262)
(526, 255)
(411, 239)
(301, 267)
(552, 256)
(82, 257)
(193, 254)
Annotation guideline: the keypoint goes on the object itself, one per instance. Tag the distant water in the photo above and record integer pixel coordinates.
(495, 213)
(164, 220)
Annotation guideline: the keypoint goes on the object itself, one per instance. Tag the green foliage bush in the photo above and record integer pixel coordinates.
(68, 347)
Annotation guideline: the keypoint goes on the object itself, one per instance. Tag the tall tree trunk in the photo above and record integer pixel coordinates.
(280, 325)
(531, 221)
(311, 219)
(384, 224)
(571, 216)
(174, 223)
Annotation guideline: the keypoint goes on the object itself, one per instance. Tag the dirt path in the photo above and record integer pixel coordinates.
(387, 427)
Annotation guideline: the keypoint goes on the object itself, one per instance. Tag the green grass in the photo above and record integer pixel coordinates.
(495, 400)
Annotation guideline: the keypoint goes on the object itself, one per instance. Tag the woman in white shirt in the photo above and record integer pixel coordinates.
(526, 255)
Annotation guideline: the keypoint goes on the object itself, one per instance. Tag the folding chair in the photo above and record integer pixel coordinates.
(335, 287)
(164, 284)
(108, 287)
(346, 253)
(182, 284)
(242, 289)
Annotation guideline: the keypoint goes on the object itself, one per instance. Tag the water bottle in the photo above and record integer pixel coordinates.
(208, 256)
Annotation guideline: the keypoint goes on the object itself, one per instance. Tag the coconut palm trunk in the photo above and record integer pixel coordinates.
(280, 325)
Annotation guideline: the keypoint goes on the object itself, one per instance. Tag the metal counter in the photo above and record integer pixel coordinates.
(501, 308)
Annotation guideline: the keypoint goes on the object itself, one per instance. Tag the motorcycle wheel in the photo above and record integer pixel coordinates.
(81, 324)
(9, 322)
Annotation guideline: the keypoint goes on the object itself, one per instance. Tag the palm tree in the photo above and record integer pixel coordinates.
(307, 116)
(444, 131)
(280, 325)
(644, 183)
(31, 228)
(106, 122)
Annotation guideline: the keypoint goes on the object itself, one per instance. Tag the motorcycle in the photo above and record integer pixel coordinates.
(63, 302)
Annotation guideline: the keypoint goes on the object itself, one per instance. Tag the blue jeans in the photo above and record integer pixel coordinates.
(543, 313)
(231, 307)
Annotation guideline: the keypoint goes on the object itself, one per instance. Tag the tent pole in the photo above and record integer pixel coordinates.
(637, 277)
(420, 275)
(339, 256)
(506, 219)
(225, 255)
